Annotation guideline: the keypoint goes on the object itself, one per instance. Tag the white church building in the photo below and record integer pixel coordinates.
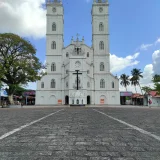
(94, 84)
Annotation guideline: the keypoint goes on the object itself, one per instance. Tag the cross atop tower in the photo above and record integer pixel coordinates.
(77, 36)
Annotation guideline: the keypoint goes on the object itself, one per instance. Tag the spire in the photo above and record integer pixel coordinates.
(72, 40)
(77, 37)
(83, 39)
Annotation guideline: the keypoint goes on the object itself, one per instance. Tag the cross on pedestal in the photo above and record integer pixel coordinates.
(77, 76)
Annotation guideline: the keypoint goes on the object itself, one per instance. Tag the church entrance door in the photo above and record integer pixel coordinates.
(66, 100)
(88, 100)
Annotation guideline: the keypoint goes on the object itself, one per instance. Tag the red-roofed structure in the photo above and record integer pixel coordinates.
(154, 97)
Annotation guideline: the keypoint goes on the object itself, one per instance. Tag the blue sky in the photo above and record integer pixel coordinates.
(134, 27)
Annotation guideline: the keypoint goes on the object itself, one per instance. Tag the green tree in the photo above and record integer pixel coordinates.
(18, 62)
(157, 87)
(134, 82)
(146, 89)
(156, 78)
(124, 80)
(136, 75)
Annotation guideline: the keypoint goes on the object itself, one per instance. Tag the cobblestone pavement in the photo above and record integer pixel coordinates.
(79, 134)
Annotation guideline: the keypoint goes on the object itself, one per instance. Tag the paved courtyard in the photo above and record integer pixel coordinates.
(79, 133)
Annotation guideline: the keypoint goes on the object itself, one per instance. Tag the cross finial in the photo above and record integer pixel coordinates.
(77, 36)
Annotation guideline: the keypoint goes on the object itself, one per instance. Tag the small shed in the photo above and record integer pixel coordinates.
(137, 99)
(154, 97)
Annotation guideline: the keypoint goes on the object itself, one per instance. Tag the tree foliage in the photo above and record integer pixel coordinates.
(146, 89)
(156, 78)
(18, 61)
(136, 75)
(124, 80)
(157, 87)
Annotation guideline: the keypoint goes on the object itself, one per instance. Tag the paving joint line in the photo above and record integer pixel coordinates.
(131, 126)
(27, 125)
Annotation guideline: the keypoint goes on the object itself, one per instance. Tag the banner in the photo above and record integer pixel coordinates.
(3, 93)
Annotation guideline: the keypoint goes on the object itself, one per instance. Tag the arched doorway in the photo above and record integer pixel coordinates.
(66, 100)
(88, 100)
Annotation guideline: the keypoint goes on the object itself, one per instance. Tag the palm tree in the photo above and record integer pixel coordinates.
(134, 82)
(124, 80)
(136, 75)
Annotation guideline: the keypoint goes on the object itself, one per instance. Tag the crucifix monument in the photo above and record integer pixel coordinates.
(77, 76)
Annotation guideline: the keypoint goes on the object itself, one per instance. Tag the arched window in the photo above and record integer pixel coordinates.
(101, 66)
(67, 71)
(101, 45)
(77, 101)
(87, 71)
(42, 84)
(53, 83)
(54, 27)
(53, 67)
(102, 83)
(53, 46)
(88, 84)
(101, 27)
(67, 55)
(112, 84)
(87, 54)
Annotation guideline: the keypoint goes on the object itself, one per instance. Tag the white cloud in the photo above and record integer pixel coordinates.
(156, 61)
(119, 63)
(157, 41)
(145, 46)
(147, 74)
(23, 17)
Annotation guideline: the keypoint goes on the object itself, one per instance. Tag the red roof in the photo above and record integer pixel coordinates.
(153, 93)
(136, 95)
(158, 96)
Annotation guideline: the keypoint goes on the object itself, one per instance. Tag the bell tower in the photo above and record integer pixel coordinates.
(100, 44)
(55, 24)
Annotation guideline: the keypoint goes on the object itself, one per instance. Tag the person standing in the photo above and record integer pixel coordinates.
(149, 102)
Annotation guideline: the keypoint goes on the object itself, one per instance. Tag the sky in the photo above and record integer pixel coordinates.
(134, 28)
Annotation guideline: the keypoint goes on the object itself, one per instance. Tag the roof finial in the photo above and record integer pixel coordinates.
(83, 39)
(72, 39)
(77, 37)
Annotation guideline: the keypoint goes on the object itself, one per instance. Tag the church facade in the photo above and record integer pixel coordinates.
(77, 74)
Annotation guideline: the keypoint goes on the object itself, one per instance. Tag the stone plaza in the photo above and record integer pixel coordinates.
(80, 133)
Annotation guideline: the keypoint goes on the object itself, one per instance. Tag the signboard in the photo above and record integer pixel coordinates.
(29, 93)
(129, 94)
(3, 93)
(101, 101)
(59, 101)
